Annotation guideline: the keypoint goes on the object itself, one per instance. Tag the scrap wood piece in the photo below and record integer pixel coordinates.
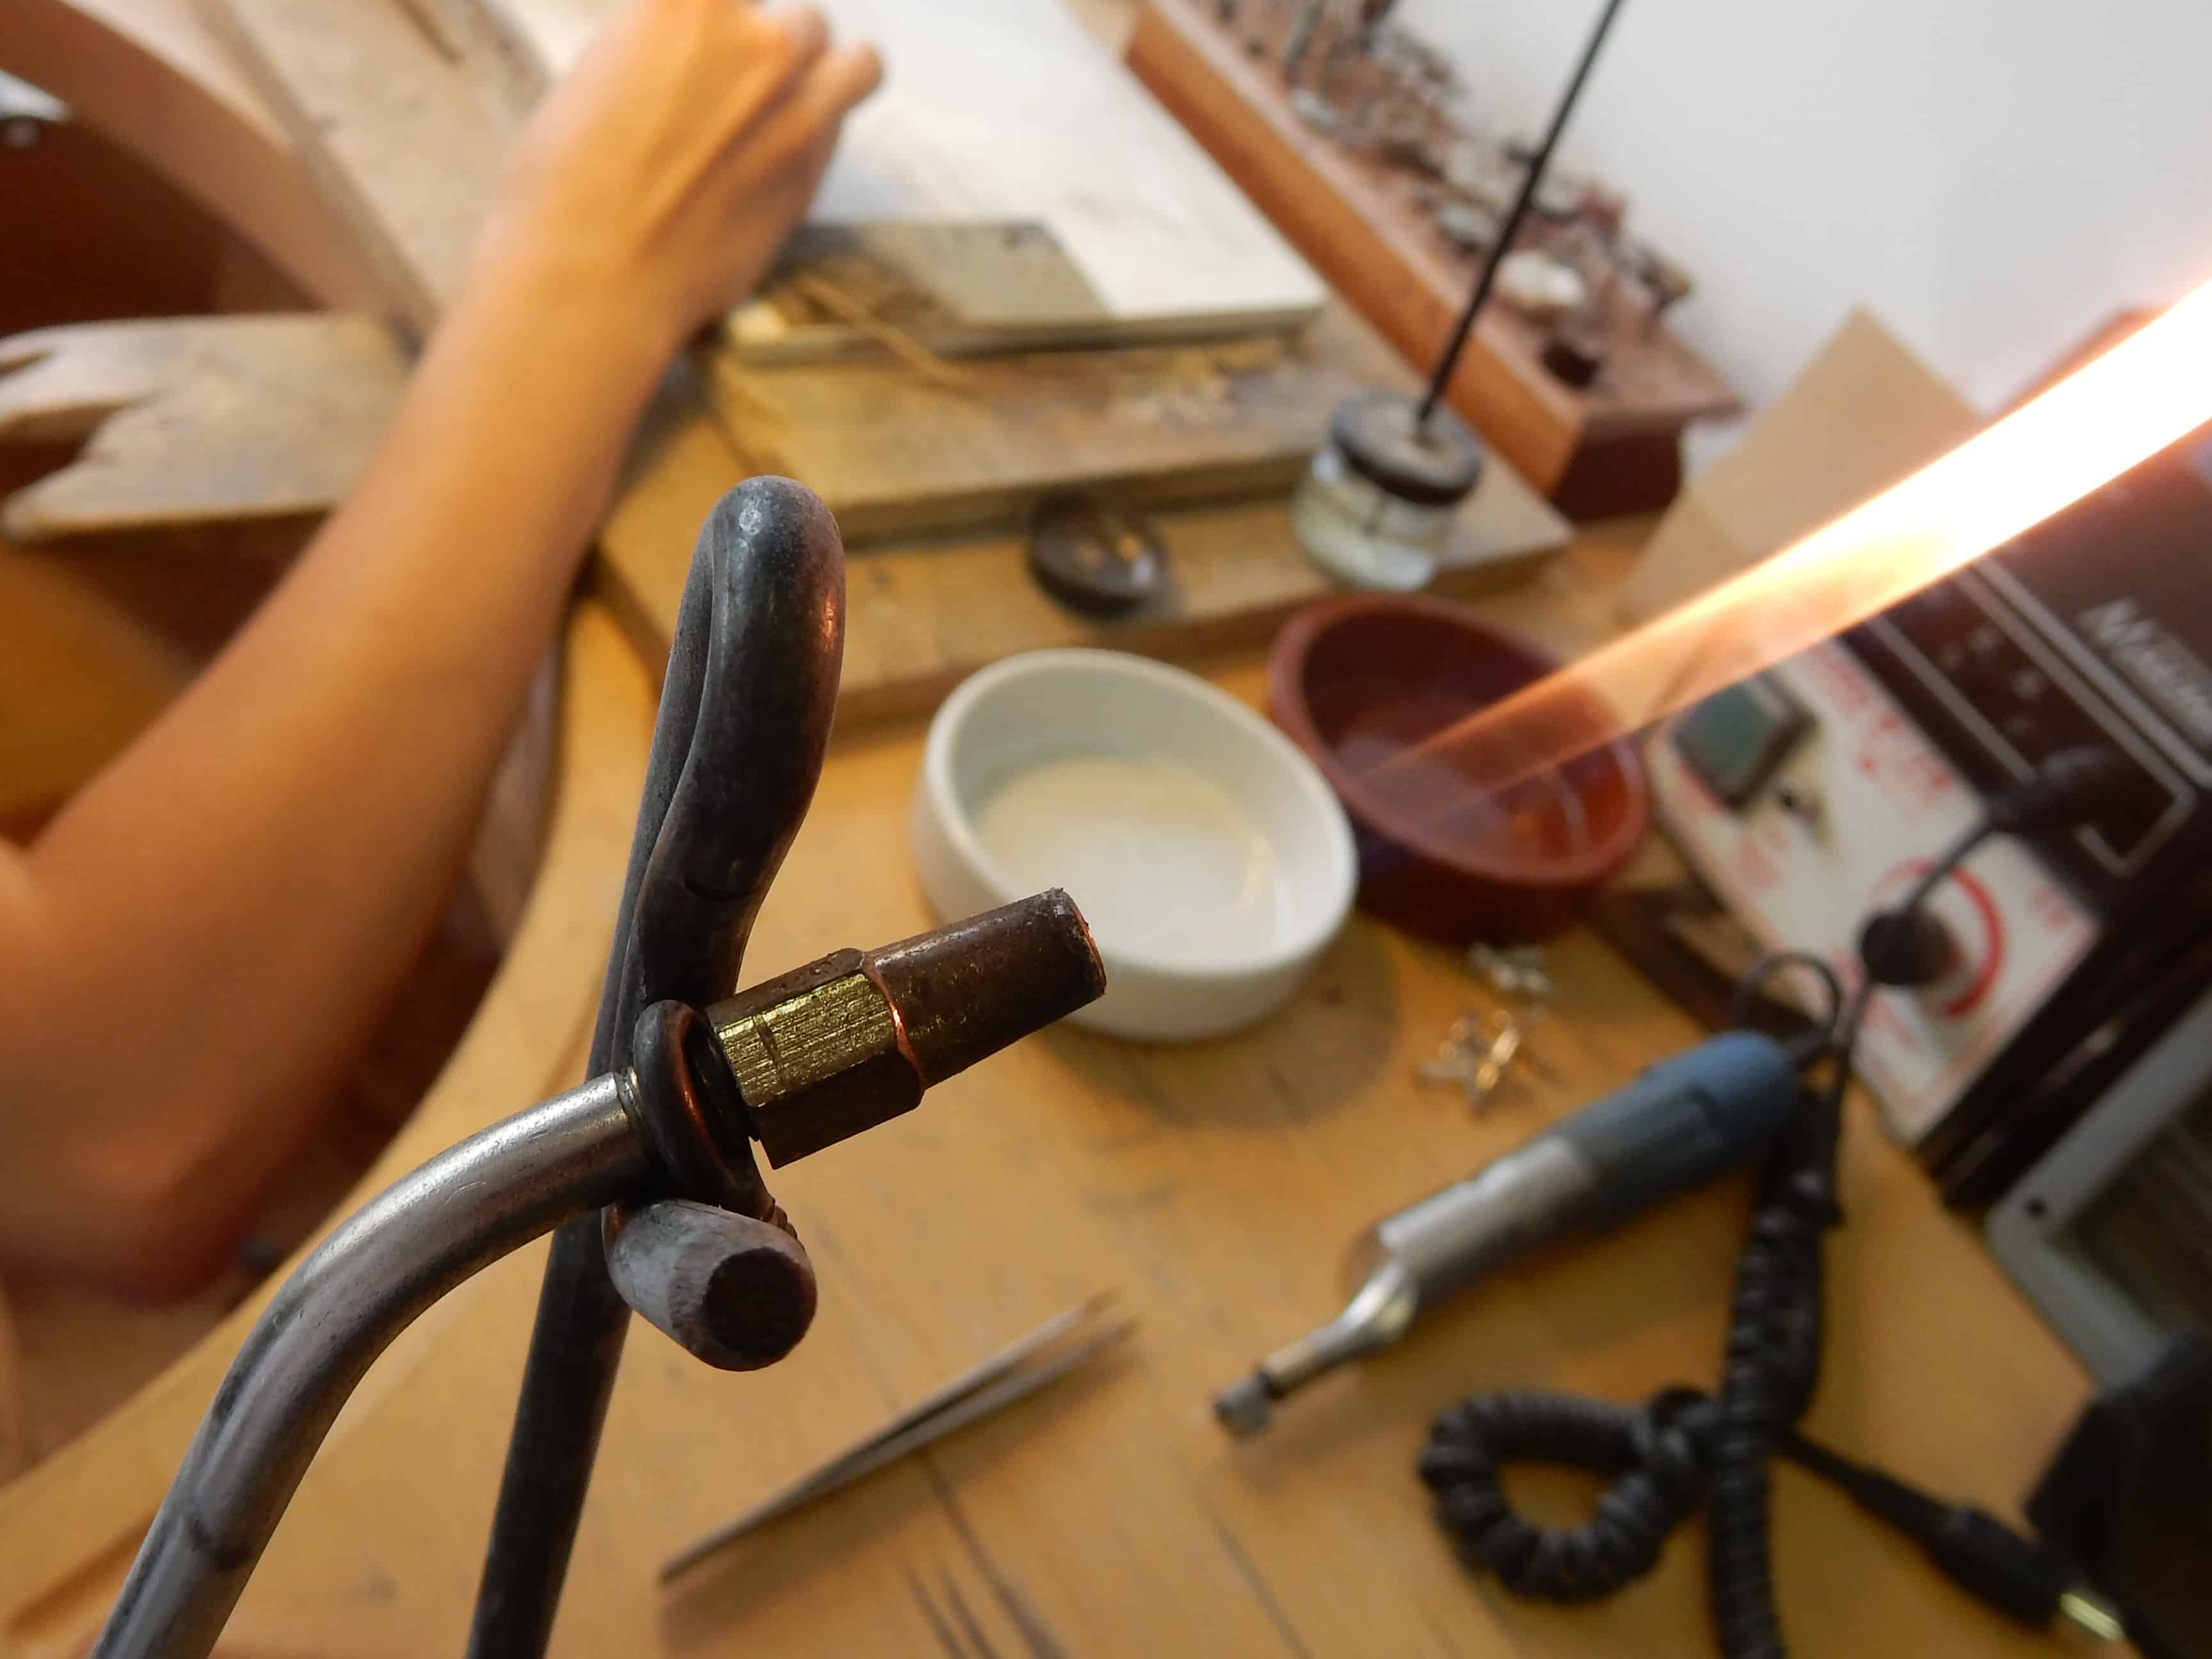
(894, 454)
(195, 419)
(390, 130)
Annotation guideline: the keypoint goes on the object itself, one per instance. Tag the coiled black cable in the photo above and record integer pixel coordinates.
(1667, 1455)
(1660, 1455)
(1683, 1446)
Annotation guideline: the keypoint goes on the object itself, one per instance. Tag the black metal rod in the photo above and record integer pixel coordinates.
(1537, 163)
(403, 1250)
(575, 1350)
(737, 749)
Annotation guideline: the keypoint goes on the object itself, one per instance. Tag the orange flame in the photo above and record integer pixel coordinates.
(2150, 389)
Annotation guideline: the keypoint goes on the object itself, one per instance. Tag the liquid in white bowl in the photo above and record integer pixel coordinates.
(1163, 861)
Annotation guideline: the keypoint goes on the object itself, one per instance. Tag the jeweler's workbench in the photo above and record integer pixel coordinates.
(1215, 1187)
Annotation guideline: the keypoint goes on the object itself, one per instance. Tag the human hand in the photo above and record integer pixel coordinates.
(659, 177)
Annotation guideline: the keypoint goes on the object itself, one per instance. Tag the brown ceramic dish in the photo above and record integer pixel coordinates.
(1360, 680)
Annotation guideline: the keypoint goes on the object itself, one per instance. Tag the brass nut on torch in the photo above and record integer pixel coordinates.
(852, 1040)
(817, 1057)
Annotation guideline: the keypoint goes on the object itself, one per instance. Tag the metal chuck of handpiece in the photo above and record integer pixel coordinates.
(1680, 1123)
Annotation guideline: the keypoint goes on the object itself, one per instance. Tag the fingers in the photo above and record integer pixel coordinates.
(781, 48)
(800, 128)
(849, 75)
(802, 26)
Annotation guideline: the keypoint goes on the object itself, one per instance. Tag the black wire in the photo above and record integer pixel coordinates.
(1440, 376)
(1826, 1028)
(1950, 859)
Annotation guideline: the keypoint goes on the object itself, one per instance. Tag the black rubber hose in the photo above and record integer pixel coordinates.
(1659, 1454)
(1772, 1360)
(1681, 1448)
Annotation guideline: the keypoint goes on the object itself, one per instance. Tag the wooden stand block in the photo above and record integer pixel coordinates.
(1611, 449)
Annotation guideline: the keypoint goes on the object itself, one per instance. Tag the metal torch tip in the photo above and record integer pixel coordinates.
(968, 990)
(1244, 1406)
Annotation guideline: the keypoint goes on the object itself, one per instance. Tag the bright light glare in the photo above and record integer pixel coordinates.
(2144, 393)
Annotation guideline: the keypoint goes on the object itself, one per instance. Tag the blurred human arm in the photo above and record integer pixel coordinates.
(193, 950)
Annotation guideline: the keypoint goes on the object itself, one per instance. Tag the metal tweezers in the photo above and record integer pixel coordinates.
(1013, 1373)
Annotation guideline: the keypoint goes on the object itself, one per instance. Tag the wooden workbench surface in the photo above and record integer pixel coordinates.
(1215, 1187)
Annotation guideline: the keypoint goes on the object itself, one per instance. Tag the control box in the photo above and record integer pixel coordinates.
(1811, 793)
(1850, 802)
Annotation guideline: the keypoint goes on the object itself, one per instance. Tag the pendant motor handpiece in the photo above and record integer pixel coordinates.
(1680, 1123)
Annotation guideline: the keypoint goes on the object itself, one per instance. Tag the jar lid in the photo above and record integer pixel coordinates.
(1435, 465)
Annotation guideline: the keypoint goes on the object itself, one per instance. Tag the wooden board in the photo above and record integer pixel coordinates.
(922, 616)
(999, 110)
(1215, 1186)
(1354, 218)
(391, 132)
(895, 452)
(195, 419)
(960, 289)
(1863, 413)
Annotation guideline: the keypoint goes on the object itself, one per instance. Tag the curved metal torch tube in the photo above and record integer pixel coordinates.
(403, 1250)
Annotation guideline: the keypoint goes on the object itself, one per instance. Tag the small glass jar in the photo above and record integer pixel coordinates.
(1377, 506)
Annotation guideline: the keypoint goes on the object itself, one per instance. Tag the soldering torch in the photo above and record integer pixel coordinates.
(1681, 1122)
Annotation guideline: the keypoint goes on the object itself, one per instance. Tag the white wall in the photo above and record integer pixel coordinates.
(1994, 178)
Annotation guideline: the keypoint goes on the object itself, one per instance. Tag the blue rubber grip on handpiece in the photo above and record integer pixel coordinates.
(1684, 1120)
(1681, 1122)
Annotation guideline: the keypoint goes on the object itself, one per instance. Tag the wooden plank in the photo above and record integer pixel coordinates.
(223, 420)
(921, 617)
(894, 452)
(999, 110)
(1216, 1185)
(953, 288)
(1354, 217)
(1863, 413)
(923, 613)
(390, 130)
(197, 420)
(406, 147)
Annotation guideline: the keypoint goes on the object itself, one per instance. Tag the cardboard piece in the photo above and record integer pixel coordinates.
(1861, 415)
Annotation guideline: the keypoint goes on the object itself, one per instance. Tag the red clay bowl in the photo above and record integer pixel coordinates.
(1358, 680)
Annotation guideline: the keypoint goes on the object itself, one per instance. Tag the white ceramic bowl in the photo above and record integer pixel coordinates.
(1210, 857)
